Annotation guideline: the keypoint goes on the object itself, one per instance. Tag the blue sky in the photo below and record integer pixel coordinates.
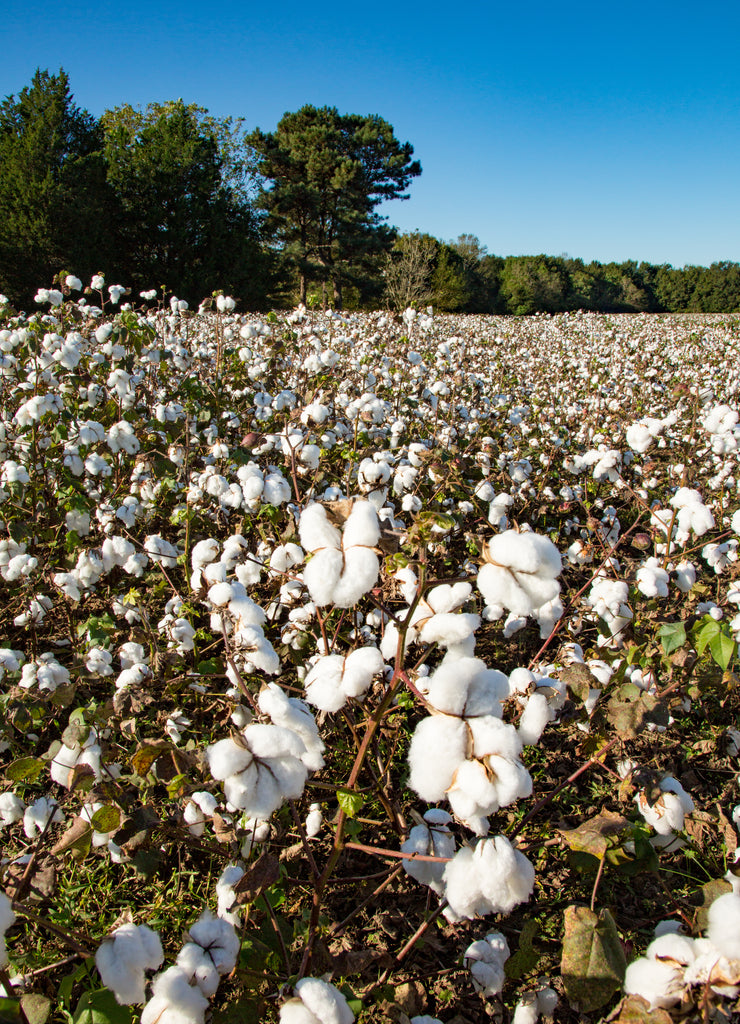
(604, 131)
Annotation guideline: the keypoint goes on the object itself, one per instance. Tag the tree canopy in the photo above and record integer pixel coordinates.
(325, 174)
(54, 200)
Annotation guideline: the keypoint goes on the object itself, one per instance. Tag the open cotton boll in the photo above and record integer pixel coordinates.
(520, 571)
(431, 838)
(723, 929)
(315, 530)
(124, 956)
(7, 918)
(449, 628)
(536, 715)
(174, 1000)
(321, 574)
(37, 815)
(292, 713)
(491, 877)
(325, 1002)
(666, 815)
(463, 686)
(11, 809)
(314, 820)
(437, 750)
(660, 983)
(359, 574)
(225, 893)
(485, 960)
(211, 952)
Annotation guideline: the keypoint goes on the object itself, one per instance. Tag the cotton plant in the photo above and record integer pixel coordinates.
(665, 810)
(491, 877)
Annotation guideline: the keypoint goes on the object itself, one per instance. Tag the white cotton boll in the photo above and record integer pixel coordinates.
(437, 750)
(360, 573)
(485, 960)
(536, 715)
(672, 946)
(38, 814)
(315, 530)
(174, 1000)
(11, 809)
(685, 576)
(123, 958)
(220, 594)
(324, 684)
(449, 628)
(211, 952)
(652, 579)
(295, 1012)
(362, 526)
(661, 984)
(431, 838)
(492, 877)
(225, 758)
(723, 929)
(324, 1001)
(225, 893)
(314, 820)
(292, 713)
(322, 574)
(7, 918)
(203, 552)
(360, 667)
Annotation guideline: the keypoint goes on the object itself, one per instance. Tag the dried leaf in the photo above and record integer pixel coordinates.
(593, 961)
(144, 757)
(580, 680)
(709, 892)
(636, 1010)
(77, 839)
(259, 876)
(631, 712)
(592, 836)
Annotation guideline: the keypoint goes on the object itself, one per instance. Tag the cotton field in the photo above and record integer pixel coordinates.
(367, 666)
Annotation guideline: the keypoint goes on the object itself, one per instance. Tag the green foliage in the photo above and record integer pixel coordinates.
(55, 204)
(327, 172)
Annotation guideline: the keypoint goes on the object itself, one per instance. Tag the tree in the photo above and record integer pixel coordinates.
(326, 173)
(54, 202)
(408, 270)
(181, 179)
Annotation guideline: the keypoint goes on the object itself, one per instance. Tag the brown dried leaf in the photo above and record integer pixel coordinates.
(592, 836)
(259, 876)
(593, 961)
(636, 1010)
(77, 839)
(579, 679)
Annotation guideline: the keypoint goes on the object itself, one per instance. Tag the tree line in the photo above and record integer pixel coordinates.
(172, 197)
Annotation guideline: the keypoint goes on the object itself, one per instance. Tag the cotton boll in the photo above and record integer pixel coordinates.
(437, 750)
(432, 838)
(485, 960)
(314, 820)
(211, 952)
(723, 929)
(321, 574)
(492, 877)
(661, 984)
(536, 715)
(315, 530)
(292, 713)
(7, 918)
(360, 572)
(123, 958)
(11, 809)
(225, 757)
(174, 1000)
(324, 1001)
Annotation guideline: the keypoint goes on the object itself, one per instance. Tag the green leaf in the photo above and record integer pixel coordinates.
(593, 961)
(705, 632)
(100, 1007)
(106, 819)
(350, 802)
(10, 1010)
(25, 769)
(722, 649)
(672, 636)
(526, 958)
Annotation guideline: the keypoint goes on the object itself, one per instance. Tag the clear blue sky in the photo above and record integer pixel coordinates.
(605, 131)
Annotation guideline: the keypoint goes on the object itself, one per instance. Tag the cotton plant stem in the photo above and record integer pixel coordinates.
(43, 922)
(372, 725)
(337, 929)
(380, 851)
